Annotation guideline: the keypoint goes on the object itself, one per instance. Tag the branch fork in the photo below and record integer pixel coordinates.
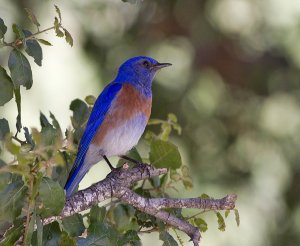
(117, 184)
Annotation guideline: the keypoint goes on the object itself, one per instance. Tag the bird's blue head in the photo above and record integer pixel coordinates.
(139, 71)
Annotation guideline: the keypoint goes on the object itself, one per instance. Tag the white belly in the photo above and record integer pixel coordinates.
(118, 140)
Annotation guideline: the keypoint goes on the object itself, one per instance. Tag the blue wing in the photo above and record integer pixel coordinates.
(97, 116)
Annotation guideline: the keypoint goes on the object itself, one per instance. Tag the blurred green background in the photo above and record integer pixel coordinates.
(234, 85)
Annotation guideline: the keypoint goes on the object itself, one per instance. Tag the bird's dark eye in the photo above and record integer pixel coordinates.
(146, 64)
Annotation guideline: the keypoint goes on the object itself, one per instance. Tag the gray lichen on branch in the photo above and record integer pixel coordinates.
(117, 184)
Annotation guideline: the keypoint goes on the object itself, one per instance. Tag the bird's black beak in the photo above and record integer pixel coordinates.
(158, 65)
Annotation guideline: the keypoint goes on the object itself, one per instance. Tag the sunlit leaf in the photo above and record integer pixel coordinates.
(3, 28)
(20, 69)
(51, 198)
(187, 182)
(90, 100)
(73, 225)
(174, 175)
(12, 201)
(164, 154)
(68, 37)
(166, 130)
(7, 87)
(58, 32)
(172, 117)
(33, 48)
(227, 212)
(201, 224)
(18, 31)
(221, 222)
(204, 196)
(237, 217)
(58, 12)
(44, 42)
(32, 17)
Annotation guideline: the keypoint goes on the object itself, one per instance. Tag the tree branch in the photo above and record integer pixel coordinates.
(117, 184)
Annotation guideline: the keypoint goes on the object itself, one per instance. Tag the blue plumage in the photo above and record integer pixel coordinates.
(119, 117)
(100, 108)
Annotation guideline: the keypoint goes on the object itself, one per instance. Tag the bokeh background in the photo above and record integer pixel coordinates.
(234, 85)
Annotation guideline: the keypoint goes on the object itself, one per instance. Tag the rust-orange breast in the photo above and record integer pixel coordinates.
(128, 103)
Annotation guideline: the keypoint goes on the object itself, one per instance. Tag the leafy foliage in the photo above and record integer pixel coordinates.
(7, 88)
(31, 184)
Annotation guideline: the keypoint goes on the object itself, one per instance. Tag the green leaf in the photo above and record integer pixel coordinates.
(166, 131)
(164, 154)
(58, 32)
(3, 28)
(90, 100)
(4, 128)
(20, 69)
(18, 31)
(5, 177)
(174, 175)
(99, 234)
(13, 234)
(124, 218)
(204, 196)
(227, 212)
(7, 87)
(80, 113)
(237, 217)
(51, 198)
(44, 42)
(73, 225)
(201, 224)
(28, 137)
(32, 17)
(51, 235)
(97, 214)
(172, 117)
(167, 239)
(58, 12)
(18, 102)
(11, 200)
(29, 233)
(130, 238)
(55, 122)
(66, 240)
(133, 154)
(33, 48)
(221, 222)
(68, 37)
(39, 225)
(187, 182)
(44, 121)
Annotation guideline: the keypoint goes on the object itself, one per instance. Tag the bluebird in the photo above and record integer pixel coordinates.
(118, 118)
